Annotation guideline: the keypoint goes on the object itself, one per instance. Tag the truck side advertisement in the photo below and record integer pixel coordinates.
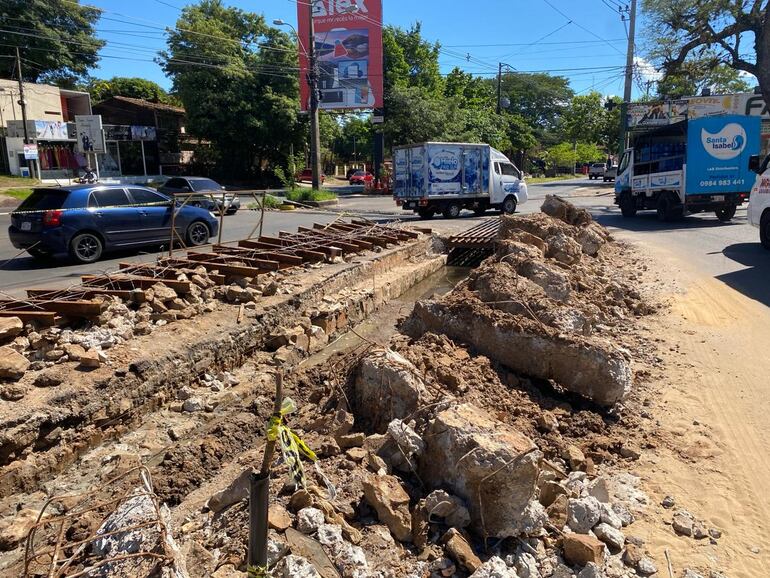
(718, 150)
(348, 44)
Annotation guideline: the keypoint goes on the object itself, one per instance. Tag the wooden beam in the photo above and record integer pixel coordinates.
(216, 258)
(132, 282)
(225, 269)
(137, 295)
(44, 317)
(282, 258)
(345, 245)
(361, 243)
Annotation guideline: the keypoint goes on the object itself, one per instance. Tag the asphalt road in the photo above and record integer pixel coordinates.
(729, 252)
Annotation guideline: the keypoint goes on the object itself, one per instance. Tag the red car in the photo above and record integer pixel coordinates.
(307, 175)
(361, 178)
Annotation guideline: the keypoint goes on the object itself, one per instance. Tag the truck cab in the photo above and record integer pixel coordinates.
(759, 202)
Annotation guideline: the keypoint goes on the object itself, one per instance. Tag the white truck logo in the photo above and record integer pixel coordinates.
(727, 144)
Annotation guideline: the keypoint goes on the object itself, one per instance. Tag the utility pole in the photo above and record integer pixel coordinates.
(315, 133)
(499, 84)
(23, 104)
(629, 77)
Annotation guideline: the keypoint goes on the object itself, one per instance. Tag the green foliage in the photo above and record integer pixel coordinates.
(287, 178)
(410, 60)
(304, 194)
(20, 193)
(101, 89)
(355, 140)
(586, 119)
(539, 98)
(237, 100)
(703, 43)
(56, 38)
(566, 155)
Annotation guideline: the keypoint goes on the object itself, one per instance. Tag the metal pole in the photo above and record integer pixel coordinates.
(499, 85)
(173, 226)
(23, 105)
(259, 486)
(315, 133)
(629, 77)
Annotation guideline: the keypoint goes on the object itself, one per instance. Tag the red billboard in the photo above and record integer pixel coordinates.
(348, 44)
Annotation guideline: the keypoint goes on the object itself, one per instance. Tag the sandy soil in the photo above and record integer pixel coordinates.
(712, 408)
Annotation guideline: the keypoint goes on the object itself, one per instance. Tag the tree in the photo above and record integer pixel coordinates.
(56, 38)
(566, 155)
(236, 78)
(538, 98)
(410, 60)
(586, 119)
(695, 75)
(100, 89)
(416, 115)
(712, 33)
(355, 141)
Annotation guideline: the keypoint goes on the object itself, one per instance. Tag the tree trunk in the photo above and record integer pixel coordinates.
(762, 45)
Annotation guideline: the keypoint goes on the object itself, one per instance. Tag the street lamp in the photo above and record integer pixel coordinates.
(502, 102)
(315, 133)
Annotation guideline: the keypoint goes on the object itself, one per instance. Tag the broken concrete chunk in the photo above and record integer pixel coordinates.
(613, 537)
(556, 207)
(391, 502)
(683, 522)
(13, 365)
(91, 359)
(583, 514)
(494, 568)
(297, 567)
(593, 369)
(460, 550)
(14, 531)
(406, 438)
(581, 549)
(278, 518)
(162, 292)
(309, 520)
(387, 387)
(440, 504)
(10, 327)
(494, 467)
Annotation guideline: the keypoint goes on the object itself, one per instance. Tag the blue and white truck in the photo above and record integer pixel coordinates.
(692, 166)
(436, 177)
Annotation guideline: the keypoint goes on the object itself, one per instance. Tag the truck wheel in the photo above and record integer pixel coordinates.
(726, 213)
(452, 211)
(509, 205)
(764, 230)
(425, 213)
(667, 209)
(627, 205)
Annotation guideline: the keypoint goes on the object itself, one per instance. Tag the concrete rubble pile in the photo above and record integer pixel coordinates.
(549, 304)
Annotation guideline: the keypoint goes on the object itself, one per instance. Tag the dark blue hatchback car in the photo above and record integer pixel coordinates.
(84, 221)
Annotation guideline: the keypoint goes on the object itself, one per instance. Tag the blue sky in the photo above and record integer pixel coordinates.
(581, 39)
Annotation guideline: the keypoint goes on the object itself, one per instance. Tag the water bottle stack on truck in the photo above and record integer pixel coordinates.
(446, 178)
(691, 166)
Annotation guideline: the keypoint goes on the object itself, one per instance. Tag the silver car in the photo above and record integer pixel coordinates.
(211, 194)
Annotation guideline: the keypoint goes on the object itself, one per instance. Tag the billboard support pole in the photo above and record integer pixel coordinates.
(23, 104)
(379, 150)
(315, 132)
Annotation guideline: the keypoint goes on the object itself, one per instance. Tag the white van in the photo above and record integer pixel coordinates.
(759, 200)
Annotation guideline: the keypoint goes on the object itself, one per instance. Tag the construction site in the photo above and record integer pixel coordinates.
(479, 405)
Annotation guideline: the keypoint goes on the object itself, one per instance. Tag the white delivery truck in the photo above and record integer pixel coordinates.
(691, 166)
(759, 201)
(436, 177)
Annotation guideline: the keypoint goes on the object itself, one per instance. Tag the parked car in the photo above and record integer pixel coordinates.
(361, 178)
(759, 200)
(212, 194)
(610, 173)
(596, 170)
(84, 221)
(306, 175)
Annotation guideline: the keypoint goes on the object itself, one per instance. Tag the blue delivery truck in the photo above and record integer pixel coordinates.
(692, 166)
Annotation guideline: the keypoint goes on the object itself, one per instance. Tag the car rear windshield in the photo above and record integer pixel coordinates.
(44, 200)
(205, 185)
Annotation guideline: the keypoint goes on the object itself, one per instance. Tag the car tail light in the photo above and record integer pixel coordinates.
(52, 218)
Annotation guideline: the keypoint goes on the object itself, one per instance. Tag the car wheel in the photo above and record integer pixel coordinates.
(509, 206)
(452, 211)
(86, 248)
(425, 213)
(197, 234)
(627, 205)
(667, 211)
(764, 230)
(726, 213)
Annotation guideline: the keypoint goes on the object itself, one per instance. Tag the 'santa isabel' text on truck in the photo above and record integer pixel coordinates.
(446, 178)
(691, 166)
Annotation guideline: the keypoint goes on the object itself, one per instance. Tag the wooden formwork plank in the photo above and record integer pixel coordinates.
(219, 259)
(362, 243)
(136, 295)
(331, 251)
(74, 308)
(43, 317)
(161, 273)
(225, 269)
(133, 281)
(283, 259)
(346, 245)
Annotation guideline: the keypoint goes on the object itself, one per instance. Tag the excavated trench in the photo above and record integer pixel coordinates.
(117, 417)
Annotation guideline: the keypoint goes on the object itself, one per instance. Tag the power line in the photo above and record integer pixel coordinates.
(591, 32)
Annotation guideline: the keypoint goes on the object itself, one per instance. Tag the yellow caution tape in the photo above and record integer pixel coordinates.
(293, 448)
(257, 572)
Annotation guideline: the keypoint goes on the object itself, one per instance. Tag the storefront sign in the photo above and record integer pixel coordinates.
(51, 130)
(30, 152)
(348, 44)
(143, 133)
(90, 138)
